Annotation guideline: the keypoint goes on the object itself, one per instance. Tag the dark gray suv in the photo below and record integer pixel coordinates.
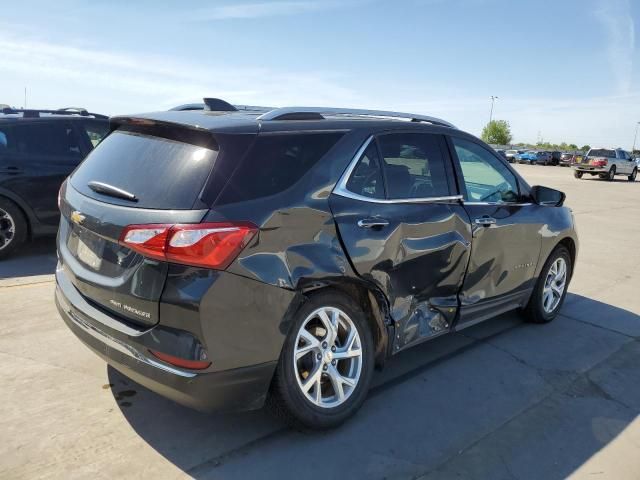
(225, 258)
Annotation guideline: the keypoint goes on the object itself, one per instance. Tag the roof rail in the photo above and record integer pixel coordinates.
(290, 113)
(35, 112)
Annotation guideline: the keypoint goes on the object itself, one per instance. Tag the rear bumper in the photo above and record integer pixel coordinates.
(235, 389)
(587, 169)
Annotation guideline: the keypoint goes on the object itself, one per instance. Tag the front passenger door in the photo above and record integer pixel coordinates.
(506, 237)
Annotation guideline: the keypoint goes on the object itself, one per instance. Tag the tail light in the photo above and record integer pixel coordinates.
(211, 245)
(598, 162)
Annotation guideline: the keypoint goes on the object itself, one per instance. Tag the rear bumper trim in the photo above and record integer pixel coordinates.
(113, 342)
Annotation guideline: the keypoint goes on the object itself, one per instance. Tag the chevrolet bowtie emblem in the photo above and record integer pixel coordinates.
(77, 217)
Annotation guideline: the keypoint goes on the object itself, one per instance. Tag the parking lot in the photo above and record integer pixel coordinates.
(503, 399)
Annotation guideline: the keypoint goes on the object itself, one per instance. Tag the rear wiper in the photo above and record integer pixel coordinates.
(112, 191)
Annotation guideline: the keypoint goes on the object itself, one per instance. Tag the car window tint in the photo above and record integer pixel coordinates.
(48, 139)
(602, 152)
(8, 142)
(486, 178)
(366, 178)
(96, 131)
(413, 165)
(275, 163)
(161, 173)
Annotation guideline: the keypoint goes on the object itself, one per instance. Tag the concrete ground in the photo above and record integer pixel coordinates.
(501, 400)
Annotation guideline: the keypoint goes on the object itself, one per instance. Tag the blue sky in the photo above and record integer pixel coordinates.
(564, 70)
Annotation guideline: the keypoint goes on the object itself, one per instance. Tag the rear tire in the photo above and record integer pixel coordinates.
(577, 174)
(634, 174)
(341, 383)
(551, 288)
(612, 174)
(13, 228)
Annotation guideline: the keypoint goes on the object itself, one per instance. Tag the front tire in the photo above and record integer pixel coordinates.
(634, 174)
(551, 288)
(13, 228)
(326, 364)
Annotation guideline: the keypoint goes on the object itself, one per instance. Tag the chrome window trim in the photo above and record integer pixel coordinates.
(512, 204)
(342, 190)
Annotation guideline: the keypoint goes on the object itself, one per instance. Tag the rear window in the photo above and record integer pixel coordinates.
(602, 152)
(275, 163)
(161, 173)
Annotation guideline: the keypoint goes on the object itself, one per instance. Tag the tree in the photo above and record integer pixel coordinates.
(585, 148)
(573, 146)
(497, 132)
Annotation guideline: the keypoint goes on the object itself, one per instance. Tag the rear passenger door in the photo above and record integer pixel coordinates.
(506, 234)
(402, 224)
(45, 154)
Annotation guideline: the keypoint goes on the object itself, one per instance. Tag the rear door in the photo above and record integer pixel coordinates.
(167, 177)
(45, 152)
(404, 229)
(506, 234)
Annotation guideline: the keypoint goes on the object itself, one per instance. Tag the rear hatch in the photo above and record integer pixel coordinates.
(134, 177)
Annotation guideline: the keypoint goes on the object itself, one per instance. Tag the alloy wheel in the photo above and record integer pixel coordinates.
(554, 285)
(7, 229)
(328, 357)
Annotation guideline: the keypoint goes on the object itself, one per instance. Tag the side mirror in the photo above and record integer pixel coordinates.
(547, 196)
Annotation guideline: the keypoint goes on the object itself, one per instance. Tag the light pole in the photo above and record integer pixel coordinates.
(635, 137)
(493, 99)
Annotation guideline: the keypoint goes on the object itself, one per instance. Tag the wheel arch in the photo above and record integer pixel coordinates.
(373, 303)
(23, 207)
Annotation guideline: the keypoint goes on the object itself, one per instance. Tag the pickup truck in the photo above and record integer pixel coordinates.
(607, 163)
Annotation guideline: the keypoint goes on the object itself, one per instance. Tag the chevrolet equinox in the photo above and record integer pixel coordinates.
(231, 257)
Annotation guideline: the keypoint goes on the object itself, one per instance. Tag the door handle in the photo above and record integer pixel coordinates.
(372, 223)
(485, 221)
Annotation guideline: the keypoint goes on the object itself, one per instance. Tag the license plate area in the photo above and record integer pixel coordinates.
(87, 248)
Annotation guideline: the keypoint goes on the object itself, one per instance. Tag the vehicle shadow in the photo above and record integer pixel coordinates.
(500, 399)
(35, 258)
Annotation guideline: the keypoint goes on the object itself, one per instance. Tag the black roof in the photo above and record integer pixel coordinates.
(246, 121)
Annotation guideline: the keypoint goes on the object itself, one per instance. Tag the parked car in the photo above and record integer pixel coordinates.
(607, 163)
(284, 256)
(513, 154)
(530, 156)
(502, 153)
(38, 149)
(568, 159)
(555, 158)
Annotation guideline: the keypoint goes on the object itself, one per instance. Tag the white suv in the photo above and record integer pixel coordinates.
(607, 163)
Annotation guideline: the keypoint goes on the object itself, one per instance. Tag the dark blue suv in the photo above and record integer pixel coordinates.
(38, 150)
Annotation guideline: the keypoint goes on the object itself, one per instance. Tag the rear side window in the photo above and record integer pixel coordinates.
(275, 163)
(161, 173)
(8, 143)
(52, 139)
(95, 131)
(413, 165)
(366, 179)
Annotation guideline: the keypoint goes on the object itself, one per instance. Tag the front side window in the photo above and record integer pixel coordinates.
(414, 165)
(366, 178)
(486, 178)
